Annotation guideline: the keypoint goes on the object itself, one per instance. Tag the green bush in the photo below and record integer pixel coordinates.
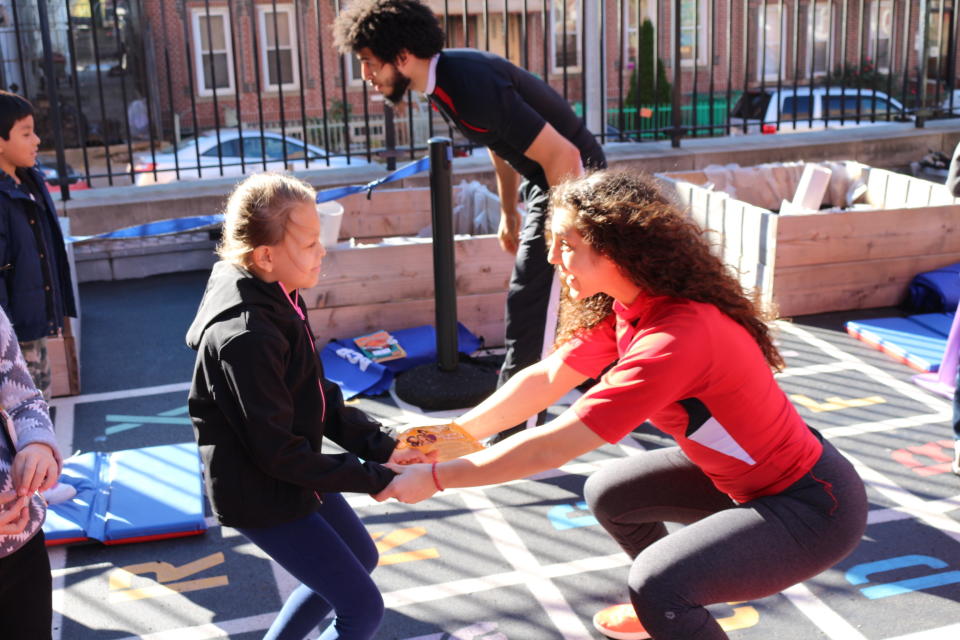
(642, 83)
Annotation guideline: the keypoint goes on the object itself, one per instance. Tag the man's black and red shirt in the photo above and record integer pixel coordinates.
(494, 103)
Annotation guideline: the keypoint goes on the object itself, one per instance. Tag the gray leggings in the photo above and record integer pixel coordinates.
(728, 552)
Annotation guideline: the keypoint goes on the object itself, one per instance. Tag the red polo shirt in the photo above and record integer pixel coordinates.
(700, 377)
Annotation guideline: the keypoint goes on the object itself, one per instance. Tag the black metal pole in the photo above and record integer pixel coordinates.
(444, 275)
(677, 130)
(54, 98)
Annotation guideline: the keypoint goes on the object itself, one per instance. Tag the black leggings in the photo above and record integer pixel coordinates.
(26, 607)
(728, 552)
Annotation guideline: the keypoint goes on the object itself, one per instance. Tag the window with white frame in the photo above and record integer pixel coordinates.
(880, 31)
(694, 27)
(212, 57)
(565, 32)
(354, 75)
(278, 46)
(819, 30)
(770, 37)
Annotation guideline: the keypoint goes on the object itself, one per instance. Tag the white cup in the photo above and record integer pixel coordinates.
(331, 215)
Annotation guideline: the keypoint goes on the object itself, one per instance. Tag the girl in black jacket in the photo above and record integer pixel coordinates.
(260, 407)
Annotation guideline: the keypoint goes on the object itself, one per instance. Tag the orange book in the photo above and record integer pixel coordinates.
(450, 440)
(380, 346)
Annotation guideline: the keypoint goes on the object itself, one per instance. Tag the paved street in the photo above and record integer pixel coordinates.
(522, 561)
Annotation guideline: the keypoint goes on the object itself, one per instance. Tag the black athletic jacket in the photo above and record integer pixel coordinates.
(258, 412)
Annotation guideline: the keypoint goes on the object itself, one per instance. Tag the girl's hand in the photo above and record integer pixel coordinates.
(14, 513)
(412, 483)
(410, 455)
(34, 469)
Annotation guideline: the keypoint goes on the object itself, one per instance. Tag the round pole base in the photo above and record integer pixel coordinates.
(431, 389)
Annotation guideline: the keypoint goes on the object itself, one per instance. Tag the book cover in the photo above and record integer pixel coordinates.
(380, 346)
(449, 440)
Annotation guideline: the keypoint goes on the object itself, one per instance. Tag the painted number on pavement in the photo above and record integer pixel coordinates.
(571, 516)
(861, 574)
(940, 452)
(834, 403)
(170, 579)
(397, 538)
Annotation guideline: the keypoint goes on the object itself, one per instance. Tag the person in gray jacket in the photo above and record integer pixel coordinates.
(29, 463)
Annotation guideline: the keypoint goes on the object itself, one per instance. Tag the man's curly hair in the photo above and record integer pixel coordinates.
(625, 217)
(388, 27)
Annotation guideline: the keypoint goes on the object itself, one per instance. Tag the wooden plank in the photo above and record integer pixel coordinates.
(388, 273)
(854, 236)
(388, 212)
(481, 313)
(940, 195)
(842, 286)
(64, 366)
(878, 188)
(897, 188)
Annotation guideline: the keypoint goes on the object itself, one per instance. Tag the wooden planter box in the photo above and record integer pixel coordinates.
(383, 277)
(830, 261)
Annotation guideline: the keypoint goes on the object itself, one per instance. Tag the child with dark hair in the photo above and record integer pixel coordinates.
(36, 290)
(766, 501)
(29, 462)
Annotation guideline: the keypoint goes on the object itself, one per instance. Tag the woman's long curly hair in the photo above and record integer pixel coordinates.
(626, 217)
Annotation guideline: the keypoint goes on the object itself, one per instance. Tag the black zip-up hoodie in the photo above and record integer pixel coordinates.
(258, 412)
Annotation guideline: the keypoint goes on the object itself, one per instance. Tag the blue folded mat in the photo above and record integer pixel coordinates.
(130, 496)
(355, 373)
(937, 290)
(918, 341)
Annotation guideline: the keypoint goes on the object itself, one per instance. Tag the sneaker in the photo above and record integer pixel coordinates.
(955, 467)
(620, 623)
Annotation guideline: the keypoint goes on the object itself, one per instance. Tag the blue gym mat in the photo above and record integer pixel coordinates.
(936, 290)
(130, 496)
(344, 364)
(919, 341)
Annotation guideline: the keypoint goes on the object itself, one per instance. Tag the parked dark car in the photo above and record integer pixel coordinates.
(48, 165)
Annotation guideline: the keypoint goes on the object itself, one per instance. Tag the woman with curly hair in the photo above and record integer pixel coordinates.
(766, 501)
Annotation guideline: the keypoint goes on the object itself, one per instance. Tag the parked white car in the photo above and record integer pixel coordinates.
(773, 111)
(951, 102)
(210, 156)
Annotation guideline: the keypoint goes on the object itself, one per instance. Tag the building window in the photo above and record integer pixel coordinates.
(820, 57)
(354, 76)
(212, 58)
(880, 34)
(694, 26)
(278, 46)
(565, 43)
(770, 37)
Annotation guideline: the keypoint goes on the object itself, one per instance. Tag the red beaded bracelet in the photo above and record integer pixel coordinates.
(436, 479)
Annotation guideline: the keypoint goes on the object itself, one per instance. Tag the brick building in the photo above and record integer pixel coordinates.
(195, 64)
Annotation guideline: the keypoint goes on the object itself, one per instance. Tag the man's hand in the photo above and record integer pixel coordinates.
(508, 232)
(412, 483)
(34, 469)
(411, 455)
(14, 513)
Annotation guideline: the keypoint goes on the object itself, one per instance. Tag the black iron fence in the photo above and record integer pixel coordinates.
(147, 91)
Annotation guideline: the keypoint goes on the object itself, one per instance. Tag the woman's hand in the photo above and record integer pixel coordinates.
(14, 513)
(412, 483)
(411, 455)
(34, 469)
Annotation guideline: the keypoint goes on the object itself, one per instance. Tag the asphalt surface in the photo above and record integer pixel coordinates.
(522, 561)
